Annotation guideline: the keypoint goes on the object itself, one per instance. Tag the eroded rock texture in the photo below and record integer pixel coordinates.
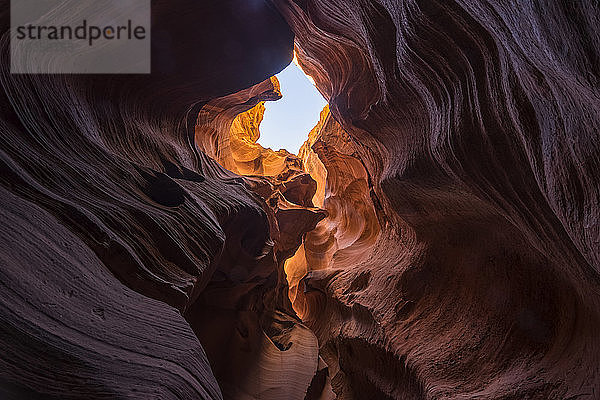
(262, 349)
(127, 252)
(467, 266)
(436, 237)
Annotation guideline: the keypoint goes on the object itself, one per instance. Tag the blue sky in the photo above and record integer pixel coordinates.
(287, 121)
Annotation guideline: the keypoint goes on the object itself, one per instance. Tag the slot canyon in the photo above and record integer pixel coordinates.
(437, 236)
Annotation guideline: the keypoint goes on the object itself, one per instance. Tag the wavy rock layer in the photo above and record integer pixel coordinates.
(461, 257)
(351, 228)
(438, 233)
(124, 247)
(259, 331)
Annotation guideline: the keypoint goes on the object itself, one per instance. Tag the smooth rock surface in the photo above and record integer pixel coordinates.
(476, 125)
(437, 237)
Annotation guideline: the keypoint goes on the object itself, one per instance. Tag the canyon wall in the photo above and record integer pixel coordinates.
(435, 238)
(133, 264)
(476, 126)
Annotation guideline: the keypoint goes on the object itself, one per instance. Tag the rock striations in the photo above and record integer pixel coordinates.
(260, 349)
(437, 236)
(464, 260)
(129, 256)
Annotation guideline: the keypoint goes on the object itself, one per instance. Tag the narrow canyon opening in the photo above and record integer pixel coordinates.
(322, 213)
(287, 122)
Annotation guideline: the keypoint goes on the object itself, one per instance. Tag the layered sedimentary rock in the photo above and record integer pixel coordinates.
(276, 356)
(121, 239)
(351, 228)
(436, 237)
(477, 126)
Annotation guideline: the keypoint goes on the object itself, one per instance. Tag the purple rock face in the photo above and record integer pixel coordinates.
(151, 249)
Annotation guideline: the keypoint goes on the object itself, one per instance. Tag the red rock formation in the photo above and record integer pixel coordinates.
(116, 225)
(438, 231)
(346, 236)
(476, 125)
(257, 346)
